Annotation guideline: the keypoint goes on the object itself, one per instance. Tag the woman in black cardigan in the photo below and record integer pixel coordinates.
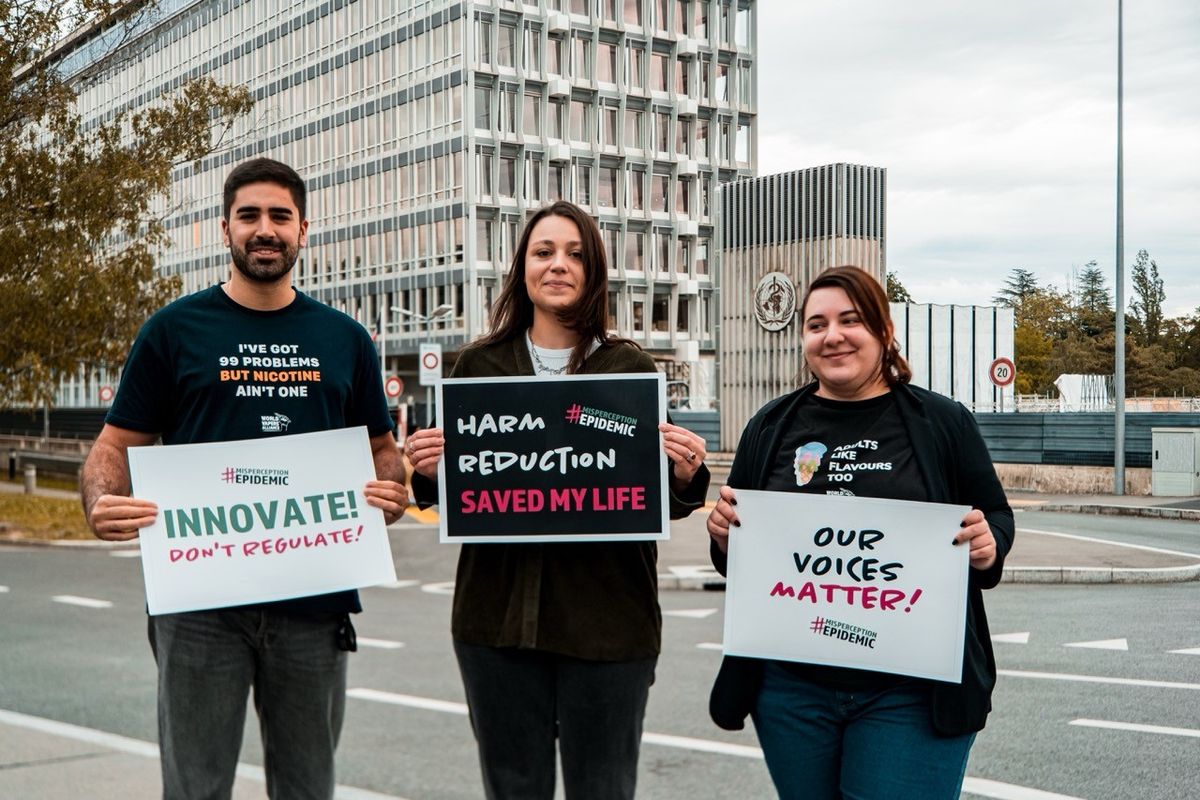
(830, 732)
(558, 640)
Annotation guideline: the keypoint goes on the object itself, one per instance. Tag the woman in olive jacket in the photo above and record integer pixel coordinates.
(558, 640)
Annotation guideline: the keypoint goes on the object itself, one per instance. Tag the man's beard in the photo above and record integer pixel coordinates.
(258, 270)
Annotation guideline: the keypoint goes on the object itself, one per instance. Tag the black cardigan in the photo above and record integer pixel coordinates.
(590, 600)
(956, 468)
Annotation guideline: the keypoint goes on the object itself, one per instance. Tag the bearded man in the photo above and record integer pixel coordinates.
(209, 368)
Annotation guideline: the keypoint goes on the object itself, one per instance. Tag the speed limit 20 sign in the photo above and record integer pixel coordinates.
(1002, 372)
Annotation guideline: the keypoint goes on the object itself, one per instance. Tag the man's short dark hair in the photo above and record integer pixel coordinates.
(265, 170)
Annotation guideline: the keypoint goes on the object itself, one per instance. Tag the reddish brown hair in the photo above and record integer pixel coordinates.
(871, 303)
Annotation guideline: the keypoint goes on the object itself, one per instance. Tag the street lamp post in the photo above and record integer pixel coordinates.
(440, 312)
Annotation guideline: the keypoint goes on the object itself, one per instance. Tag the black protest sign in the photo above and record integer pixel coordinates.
(573, 458)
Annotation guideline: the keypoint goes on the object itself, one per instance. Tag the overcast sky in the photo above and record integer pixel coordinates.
(997, 125)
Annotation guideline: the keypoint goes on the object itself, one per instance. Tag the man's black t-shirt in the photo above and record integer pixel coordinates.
(205, 369)
(857, 448)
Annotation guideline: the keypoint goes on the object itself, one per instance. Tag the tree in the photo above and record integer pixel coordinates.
(896, 292)
(1017, 287)
(1093, 304)
(81, 200)
(1149, 297)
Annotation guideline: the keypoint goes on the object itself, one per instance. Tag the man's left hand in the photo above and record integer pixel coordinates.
(389, 496)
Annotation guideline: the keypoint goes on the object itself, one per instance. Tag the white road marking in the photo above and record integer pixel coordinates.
(126, 554)
(404, 584)
(1191, 651)
(703, 745)
(979, 786)
(3, 589)
(1147, 548)
(1132, 726)
(382, 644)
(710, 646)
(391, 698)
(85, 602)
(1063, 676)
(123, 744)
(445, 587)
(1102, 644)
(697, 571)
(1007, 791)
(1011, 638)
(691, 613)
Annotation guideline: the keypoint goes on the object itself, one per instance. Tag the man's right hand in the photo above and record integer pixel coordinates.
(116, 518)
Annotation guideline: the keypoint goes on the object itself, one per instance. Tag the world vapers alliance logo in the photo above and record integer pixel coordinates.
(808, 461)
(775, 301)
(275, 423)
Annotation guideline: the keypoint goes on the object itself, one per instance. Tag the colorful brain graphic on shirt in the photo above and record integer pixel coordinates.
(808, 461)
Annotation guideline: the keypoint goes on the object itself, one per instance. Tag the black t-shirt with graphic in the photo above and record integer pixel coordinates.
(858, 448)
(205, 369)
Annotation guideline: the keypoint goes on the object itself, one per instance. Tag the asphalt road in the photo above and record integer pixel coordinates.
(91, 667)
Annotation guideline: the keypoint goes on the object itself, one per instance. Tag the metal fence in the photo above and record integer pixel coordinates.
(1084, 439)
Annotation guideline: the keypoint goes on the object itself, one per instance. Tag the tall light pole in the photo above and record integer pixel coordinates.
(440, 312)
(1119, 354)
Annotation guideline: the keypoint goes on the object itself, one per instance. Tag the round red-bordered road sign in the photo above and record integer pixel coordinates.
(1002, 372)
(431, 360)
(393, 386)
(106, 394)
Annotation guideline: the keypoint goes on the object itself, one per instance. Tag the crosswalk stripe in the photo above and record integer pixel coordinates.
(84, 602)
(1062, 676)
(1135, 727)
(691, 613)
(1103, 644)
(1008, 791)
(382, 644)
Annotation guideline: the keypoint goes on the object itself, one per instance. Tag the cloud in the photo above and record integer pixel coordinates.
(997, 123)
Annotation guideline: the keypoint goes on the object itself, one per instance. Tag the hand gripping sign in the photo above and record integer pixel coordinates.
(259, 520)
(848, 582)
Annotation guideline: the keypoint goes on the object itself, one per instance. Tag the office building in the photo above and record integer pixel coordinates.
(428, 130)
(776, 233)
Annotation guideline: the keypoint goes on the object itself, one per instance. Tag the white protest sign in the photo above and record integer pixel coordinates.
(848, 582)
(259, 520)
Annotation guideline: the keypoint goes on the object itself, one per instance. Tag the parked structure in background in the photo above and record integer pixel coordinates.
(775, 234)
(951, 350)
(428, 130)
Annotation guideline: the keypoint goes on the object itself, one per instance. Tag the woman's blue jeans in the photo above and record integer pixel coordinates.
(825, 744)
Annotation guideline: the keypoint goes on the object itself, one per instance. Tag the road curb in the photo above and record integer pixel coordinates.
(1189, 572)
(1115, 510)
(1022, 575)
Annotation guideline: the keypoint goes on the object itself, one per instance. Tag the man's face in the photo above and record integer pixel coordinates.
(264, 232)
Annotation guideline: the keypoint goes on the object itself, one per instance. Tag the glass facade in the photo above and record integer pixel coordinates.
(636, 109)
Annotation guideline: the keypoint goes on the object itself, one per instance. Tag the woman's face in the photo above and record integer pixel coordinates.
(554, 273)
(843, 354)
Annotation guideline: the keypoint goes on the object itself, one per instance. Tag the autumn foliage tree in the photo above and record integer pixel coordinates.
(1061, 332)
(82, 208)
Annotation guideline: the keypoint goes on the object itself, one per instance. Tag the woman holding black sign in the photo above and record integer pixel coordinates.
(558, 640)
(831, 732)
